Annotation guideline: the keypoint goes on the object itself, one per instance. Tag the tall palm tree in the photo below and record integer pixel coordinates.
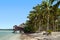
(44, 14)
(36, 16)
(48, 4)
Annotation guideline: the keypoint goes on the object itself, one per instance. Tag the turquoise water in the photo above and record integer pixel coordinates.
(7, 34)
(4, 33)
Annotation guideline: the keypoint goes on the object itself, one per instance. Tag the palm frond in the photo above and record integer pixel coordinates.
(57, 4)
(51, 1)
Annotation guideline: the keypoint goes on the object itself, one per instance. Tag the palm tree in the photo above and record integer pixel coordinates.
(36, 16)
(43, 15)
(48, 6)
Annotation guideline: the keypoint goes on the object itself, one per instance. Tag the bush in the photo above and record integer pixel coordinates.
(49, 32)
(30, 30)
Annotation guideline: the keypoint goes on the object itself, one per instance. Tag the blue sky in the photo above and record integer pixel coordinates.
(15, 12)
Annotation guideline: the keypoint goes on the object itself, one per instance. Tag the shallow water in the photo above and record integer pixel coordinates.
(2, 34)
(6, 34)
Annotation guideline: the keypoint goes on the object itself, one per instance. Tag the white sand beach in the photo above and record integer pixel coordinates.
(26, 37)
(35, 36)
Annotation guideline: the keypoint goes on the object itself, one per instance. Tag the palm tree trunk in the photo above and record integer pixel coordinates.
(53, 25)
(48, 23)
(39, 26)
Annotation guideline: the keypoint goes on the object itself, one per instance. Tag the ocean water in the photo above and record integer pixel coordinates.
(5, 34)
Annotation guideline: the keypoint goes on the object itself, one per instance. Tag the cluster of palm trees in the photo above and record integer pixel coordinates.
(44, 16)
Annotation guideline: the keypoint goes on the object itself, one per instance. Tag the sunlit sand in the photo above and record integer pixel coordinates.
(35, 36)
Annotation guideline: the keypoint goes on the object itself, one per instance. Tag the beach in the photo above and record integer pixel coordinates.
(34, 36)
(39, 36)
(17, 37)
(27, 37)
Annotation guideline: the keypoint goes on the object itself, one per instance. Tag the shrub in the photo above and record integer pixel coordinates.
(49, 32)
(30, 29)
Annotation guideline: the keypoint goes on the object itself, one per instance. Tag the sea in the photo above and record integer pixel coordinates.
(5, 34)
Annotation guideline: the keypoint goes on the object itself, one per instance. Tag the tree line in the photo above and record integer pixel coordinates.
(44, 16)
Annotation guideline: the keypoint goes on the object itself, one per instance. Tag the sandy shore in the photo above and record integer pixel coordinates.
(35, 36)
(17, 37)
(27, 37)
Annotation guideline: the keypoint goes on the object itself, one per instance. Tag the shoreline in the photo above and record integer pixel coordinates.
(34, 36)
(39, 36)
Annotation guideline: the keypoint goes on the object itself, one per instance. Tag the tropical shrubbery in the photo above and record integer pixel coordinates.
(30, 30)
(49, 32)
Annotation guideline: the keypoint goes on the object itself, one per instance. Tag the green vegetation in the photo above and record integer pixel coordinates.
(43, 17)
(49, 32)
(29, 30)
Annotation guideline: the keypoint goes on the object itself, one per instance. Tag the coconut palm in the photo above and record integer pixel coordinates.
(49, 10)
(44, 15)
